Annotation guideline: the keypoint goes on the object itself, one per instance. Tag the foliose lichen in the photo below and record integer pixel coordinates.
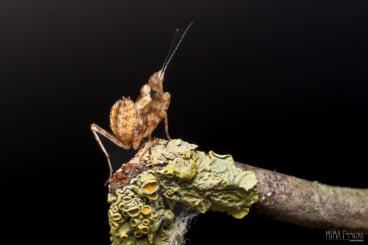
(173, 177)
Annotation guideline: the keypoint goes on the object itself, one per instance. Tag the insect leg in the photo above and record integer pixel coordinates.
(98, 130)
(167, 126)
(150, 144)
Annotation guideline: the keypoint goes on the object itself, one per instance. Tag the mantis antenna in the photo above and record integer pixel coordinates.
(175, 43)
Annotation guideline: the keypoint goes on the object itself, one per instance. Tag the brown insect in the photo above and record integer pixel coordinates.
(130, 121)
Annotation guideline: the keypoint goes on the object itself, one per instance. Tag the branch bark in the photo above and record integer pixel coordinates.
(310, 203)
(166, 173)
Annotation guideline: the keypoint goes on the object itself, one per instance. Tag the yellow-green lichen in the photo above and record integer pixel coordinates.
(146, 209)
(141, 211)
(183, 168)
(218, 184)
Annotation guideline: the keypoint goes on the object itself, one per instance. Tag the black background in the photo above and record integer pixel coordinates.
(278, 84)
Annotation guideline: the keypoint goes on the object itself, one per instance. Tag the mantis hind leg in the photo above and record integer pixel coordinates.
(96, 130)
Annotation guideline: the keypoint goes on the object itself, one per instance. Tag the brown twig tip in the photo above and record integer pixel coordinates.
(310, 203)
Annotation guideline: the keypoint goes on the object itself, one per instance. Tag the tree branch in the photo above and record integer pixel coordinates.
(156, 193)
(310, 203)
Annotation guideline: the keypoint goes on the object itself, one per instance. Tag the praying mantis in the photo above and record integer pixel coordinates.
(132, 121)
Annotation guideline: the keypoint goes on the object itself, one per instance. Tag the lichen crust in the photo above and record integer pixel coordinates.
(176, 179)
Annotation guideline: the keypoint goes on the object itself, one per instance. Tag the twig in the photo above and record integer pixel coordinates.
(149, 193)
(310, 203)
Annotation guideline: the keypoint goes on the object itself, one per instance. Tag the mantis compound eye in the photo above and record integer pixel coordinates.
(145, 89)
(156, 81)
